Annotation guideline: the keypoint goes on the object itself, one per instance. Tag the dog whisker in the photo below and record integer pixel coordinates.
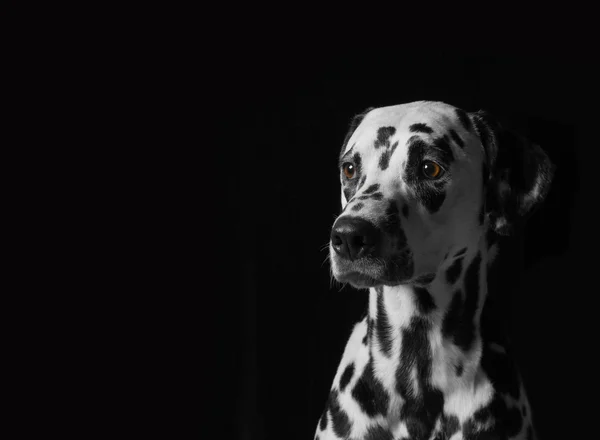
(324, 247)
(342, 288)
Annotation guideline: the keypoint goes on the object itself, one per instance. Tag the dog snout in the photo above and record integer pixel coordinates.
(353, 238)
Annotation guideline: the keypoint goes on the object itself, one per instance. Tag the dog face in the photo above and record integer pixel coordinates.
(415, 181)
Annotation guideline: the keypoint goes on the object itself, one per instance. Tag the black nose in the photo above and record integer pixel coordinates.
(354, 238)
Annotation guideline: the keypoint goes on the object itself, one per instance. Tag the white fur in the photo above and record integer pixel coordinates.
(430, 237)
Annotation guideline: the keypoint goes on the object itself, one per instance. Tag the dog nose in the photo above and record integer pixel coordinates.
(353, 237)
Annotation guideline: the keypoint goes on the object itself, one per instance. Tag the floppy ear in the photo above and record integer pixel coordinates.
(517, 173)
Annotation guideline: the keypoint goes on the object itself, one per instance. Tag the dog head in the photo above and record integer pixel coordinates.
(421, 179)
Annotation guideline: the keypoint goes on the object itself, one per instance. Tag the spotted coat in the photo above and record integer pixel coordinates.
(421, 363)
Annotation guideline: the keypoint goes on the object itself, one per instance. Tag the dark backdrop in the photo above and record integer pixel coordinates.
(286, 327)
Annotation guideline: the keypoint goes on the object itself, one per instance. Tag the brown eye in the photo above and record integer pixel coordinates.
(431, 170)
(348, 170)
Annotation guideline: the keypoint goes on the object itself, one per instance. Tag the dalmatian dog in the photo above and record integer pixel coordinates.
(426, 189)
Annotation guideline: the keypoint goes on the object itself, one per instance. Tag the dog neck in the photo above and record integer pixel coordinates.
(431, 333)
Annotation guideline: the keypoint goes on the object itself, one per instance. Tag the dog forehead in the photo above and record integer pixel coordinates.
(402, 121)
(419, 111)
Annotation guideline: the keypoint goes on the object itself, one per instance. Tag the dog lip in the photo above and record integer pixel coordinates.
(358, 279)
(367, 272)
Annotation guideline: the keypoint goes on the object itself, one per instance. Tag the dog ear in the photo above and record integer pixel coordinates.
(517, 173)
(356, 120)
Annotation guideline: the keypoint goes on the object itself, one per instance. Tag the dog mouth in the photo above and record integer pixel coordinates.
(371, 272)
(358, 280)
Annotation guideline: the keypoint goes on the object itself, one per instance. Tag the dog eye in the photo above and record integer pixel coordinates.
(348, 170)
(431, 170)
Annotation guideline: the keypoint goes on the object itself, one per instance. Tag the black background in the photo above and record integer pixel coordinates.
(284, 328)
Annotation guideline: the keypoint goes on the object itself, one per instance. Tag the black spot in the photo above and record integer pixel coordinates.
(465, 333)
(420, 128)
(420, 411)
(371, 189)
(383, 325)
(383, 136)
(452, 319)
(378, 433)
(384, 159)
(414, 343)
(444, 149)
(450, 425)
(481, 214)
(369, 329)
(461, 252)
(370, 393)
(405, 210)
(493, 408)
(493, 414)
(362, 182)
(416, 150)
(377, 196)
(317, 437)
(323, 421)
(459, 369)
(339, 419)
(348, 193)
(357, 207)
(454, 135)
(433, 200)
(346, 376)
(357, 163)
(464, 118)
(363, 197)
(425, 301)
(454, 271)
